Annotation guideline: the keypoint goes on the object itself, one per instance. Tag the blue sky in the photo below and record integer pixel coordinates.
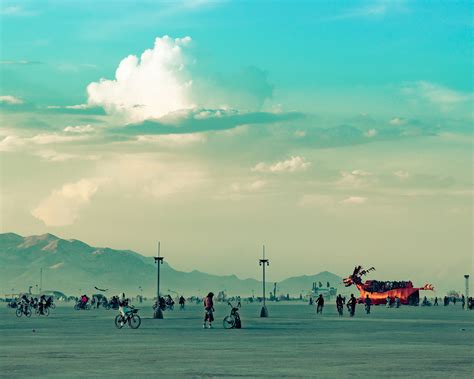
(237, 123)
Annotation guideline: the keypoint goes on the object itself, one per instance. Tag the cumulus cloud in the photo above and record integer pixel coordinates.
(151, 86)
(354, 179)
(62, 206)
(166, 80)
(371, 133)
(293, 164)
(354, 200)
(10, 100)
(397, 121)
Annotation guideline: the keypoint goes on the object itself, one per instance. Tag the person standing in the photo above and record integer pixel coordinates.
(209, 310)
(340, 305)
(368, 304)
(351, 304)
(436, 301)
(320, 304)
(463, 301)
(397, 301)
(387, 302)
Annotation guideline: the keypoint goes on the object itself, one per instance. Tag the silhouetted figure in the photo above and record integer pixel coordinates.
(320, 304)
(463, 301)
(209, 310)
(182, 302)
(446, 301)
(340, 305)
(435, 302)
(368, 304)
(351, 305)
(388, 302)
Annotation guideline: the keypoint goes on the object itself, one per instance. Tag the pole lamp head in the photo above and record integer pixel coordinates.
(158, 259)
(263, 262)
(466, 276)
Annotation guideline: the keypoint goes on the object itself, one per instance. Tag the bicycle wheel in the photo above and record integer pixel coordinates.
(134, 321)
(46, 312)
(19, 312)
(28, 312)
(119, 321)
(229, 322)
(76, 307)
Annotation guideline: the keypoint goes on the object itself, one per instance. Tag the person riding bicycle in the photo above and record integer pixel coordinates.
(169, 301)
(209, 310)
(124, 308)
(41, 304)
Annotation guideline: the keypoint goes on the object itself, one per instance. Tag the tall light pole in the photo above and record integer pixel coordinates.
(467, 289)
(41, 280)
(159, 261)
(264, 262)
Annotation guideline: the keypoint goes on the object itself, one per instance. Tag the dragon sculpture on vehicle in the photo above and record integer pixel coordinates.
(378, 291)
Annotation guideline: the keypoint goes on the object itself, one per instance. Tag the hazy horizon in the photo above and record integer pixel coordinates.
(336, 134)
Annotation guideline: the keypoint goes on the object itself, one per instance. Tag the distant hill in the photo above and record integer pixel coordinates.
(72, 266)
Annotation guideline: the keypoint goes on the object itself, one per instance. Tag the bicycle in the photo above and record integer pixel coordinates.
(131, 317)
(233, 320)
(23, 310)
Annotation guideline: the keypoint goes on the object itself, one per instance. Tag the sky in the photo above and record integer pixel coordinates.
(335, 133)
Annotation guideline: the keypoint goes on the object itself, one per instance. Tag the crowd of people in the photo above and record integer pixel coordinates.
(40, 304)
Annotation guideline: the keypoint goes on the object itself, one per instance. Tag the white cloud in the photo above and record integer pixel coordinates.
(294, 164)
(63, 205)
(79, 129)
(354, 179)
(55, 156)
(15, 143)
(397, 121)
(440, 96)
(149, 87)
(354, 200)
(173, 140)
(371, 133)
(11, 100)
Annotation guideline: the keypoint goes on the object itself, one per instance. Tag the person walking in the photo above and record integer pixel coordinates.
(320, 304)
(387, 302)
(351, 304)
(209, 310)
(463, 301)
(436, 301)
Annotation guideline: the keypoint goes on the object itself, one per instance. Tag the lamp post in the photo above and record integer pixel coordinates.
(467, 289)
(159, 261)
(264, 262)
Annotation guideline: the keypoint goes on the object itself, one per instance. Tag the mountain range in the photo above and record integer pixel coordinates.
(74, 267)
